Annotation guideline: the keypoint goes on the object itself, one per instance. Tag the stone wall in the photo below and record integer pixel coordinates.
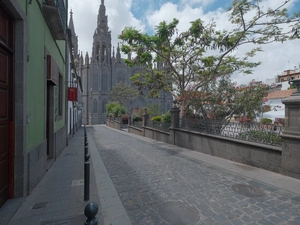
(157, 135)
(60, 141)
(259, 155)
(135, 130)
(37, 165)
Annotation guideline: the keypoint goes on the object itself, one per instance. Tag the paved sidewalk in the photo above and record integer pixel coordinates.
(58, 198)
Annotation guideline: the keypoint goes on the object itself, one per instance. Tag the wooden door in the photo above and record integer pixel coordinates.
(6, 105)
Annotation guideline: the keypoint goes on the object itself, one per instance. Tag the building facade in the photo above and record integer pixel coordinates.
(103, 71)
(74, 103)
(33, 87)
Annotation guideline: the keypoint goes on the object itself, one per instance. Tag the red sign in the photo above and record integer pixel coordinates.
(72, 94)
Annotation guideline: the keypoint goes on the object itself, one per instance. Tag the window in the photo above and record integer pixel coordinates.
(95, 106)
(104, 106)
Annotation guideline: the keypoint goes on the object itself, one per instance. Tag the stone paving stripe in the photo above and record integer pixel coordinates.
(112, 208)
(59, 222)
(248, 190)
(39, 205)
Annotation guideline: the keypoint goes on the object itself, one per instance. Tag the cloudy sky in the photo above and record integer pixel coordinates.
(144, 15)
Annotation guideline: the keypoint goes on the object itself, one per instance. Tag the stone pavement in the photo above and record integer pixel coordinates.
(159, 183)
(136, 180)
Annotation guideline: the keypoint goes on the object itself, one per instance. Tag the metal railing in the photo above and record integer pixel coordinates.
(159, 125)
(138, 124)
(60, 6)
(254, 132)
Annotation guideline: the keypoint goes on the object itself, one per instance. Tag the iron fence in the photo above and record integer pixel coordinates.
(159, 125)
(138, 124)
(254, 132)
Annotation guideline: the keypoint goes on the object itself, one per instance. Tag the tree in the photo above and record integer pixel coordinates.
(123, 93)
(222, 98)
(173, 61)
(154, 109)
(115, 109)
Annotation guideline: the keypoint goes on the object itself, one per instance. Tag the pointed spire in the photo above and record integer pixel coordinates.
(74, 37)
(101, 13)
(113, 51)
(118, 53)
(71, 23)
(81, 59)
(86, 59)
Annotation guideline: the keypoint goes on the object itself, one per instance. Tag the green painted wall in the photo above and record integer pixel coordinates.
(39, 39)
(22, 4)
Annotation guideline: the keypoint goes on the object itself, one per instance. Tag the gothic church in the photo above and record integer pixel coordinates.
(103, 71)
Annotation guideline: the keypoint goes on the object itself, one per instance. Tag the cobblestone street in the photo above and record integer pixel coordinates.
(158, 185)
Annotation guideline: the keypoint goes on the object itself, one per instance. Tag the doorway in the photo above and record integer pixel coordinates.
(6, 105)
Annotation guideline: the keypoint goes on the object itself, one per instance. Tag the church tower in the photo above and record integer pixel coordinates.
(104, 70)
(101, 69)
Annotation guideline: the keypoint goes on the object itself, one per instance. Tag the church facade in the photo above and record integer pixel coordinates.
(103, 71)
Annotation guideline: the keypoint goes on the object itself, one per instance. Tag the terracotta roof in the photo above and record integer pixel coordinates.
(281, 93)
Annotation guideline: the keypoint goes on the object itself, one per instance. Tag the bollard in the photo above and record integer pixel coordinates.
(90, 212)
(87, 178)
(86, 149)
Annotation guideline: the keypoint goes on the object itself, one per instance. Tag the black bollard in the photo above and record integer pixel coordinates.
(90, 212)
(87, 178)
(86, 149)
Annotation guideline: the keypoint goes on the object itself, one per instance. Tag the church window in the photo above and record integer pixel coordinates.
(95, 82)
(97, 51)
(104, 82)
(104, 106)
(95, 106)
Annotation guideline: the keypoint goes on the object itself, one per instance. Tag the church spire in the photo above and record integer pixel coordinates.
(74, 37)
(101, 14)
(118, 54)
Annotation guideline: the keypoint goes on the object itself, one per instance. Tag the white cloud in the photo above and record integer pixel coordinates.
(276, 57)
(85, 20)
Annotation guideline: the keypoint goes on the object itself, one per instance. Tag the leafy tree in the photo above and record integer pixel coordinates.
(154, 109)
(222, 98)
(123, 93)
(115, 109)
(197, 57)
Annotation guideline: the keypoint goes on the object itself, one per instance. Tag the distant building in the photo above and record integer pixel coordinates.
(274, 103)
(103, 71)
(281, 81)
(289, 75)
(74, 103)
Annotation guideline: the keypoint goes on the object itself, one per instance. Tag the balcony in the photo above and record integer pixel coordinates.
(55, 15)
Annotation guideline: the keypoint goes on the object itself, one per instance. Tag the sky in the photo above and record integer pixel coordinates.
(144, 15)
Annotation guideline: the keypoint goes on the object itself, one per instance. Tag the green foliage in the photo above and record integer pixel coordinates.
(166, 118)
(136, 117)
(115, 109)
(202, 54)
(266, 121)
(156, 118)
(262, 136)
(153, 109)
(292, 86)
(123, 93)
(222, 98)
